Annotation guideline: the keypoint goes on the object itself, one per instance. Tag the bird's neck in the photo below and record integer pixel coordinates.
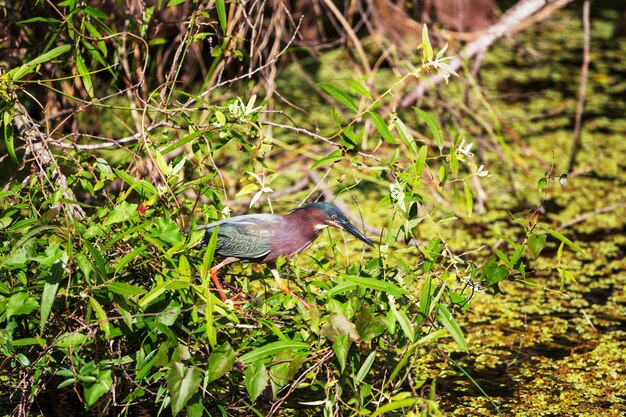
(305, 223)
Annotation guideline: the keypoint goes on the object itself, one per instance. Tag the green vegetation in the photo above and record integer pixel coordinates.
(478, 291)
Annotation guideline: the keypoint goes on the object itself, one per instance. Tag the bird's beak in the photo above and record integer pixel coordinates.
(350, 228)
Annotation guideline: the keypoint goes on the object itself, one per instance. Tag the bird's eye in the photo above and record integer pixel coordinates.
(335, 217)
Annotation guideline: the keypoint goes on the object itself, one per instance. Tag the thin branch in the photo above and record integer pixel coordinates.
(507, 24)
(583, 217)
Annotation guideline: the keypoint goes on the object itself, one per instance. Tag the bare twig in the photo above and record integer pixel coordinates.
(507, 23)
(583, 217)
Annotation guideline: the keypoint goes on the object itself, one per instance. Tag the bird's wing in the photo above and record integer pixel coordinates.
(245, 237)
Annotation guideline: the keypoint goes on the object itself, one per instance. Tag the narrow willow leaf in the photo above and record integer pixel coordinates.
(357, 87)
(184, 268)
(70, 340)
(404, 321)
(8, 133)
(84, 75)
(129, 257)
(516, 256)
(420, 161)
(144, 188)
(50, 289)
(425, 45)
(331, 158)
(172, 3)
(394, 405)
(433, 126)
(339, 95)
(207, 259)
(382, 127)
(565, 240)
(375, 284)
(365, 368)
(183, 141)
(124, 289)
(101, 315)
(221, 14)
(17, 73)
(406, 136)
(445, 317)
(469, 200)
(272, 349)
(425, 301)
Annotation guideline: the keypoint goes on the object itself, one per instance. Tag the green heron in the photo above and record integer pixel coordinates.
(263, 238)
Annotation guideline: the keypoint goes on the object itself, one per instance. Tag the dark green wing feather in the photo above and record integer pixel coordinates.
(245, 237)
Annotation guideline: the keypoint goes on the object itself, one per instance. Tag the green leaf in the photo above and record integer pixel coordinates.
(339, 325)
(50, 289)
(101, 315)
(469, 200)
(144, 188)
(565, 240)
(433, 126)
(404, 321)
(103, 384)
(256, 379)
(124, 289)
(70, 340)
(8, 133)
(375, 284)
(122, 212)
(182, 382)
(183, 141)
(17, 73)
(382, 127)
(420, 161)
(172, 3)
(221, 14)
(339, 95)
(19, 304)
(365, 367)
(341, 347)
(425, 45)
(536, 243)
(357, 87)
(542, 184)
(394, 405)
(271, 349)
(247, 189)
(516, 256)
(425, 301)
(130, 256)
(445, 317)
(492, 273)
(331, 158)
(406, 136)
(220, 362)
(84, 75)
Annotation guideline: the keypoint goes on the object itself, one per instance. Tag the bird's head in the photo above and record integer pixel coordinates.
(325, 214)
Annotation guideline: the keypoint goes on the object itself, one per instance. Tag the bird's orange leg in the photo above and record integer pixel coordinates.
(284, 288)
(217, 283)
(213, 271)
